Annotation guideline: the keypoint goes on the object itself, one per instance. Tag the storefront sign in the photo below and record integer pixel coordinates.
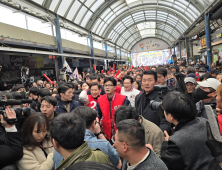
(18, 61)
(204, 43)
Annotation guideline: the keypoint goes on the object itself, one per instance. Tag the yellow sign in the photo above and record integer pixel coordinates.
(219, 35)
(204, 43)
(36, 62)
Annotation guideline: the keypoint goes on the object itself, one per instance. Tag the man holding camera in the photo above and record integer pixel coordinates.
(142, 101)
(10, 141)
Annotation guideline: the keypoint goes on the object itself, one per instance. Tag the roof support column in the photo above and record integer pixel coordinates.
(208, 39)
(187, 48)
(60, 61)
(106, 51)
(91, 61)
(180, 50)
(120, 54)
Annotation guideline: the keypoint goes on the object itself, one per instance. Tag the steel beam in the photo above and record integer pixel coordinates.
(187, 48)
(208, 39)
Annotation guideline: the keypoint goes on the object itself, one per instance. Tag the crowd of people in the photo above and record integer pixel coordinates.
(157, 118)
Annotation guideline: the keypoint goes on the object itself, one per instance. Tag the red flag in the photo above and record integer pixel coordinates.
(101, 71)
(141, 66)
(131, 68)
(117, 73)
(137, 68)
(94, 67)
(124, 67)
(147, 68)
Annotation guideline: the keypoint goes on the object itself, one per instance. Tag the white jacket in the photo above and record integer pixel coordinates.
(131, 95)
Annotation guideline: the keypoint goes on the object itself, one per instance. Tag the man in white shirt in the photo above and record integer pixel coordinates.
(128, 90)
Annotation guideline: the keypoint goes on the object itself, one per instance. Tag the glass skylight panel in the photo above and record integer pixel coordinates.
(63, 7)
(38, 1)
(102, 30)
(111, 18)
(80, 15)
(86, 18)
(105, 13)
(88, 3)
(109, 15)
(73, 10)
(96, 25)
(53, 5)
(97, 5)
(131, 1)
(119, 7)
(100, 26)
(165, 3)
(121, 10)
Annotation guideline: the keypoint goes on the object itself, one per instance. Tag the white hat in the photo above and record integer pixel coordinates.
(189, 80)
(211, 82)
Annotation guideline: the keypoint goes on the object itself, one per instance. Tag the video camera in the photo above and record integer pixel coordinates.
(20, 112)
(155, 105)
(24, 76)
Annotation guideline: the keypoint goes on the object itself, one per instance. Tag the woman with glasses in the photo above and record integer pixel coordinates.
(37, 146)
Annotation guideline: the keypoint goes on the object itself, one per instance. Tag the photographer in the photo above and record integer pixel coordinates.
(10, 141)
(142, 101)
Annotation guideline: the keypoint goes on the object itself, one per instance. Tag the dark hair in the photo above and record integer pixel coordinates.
(190, 70)
(95, 78)
(33, 90)
(129, 72)
(87, 114)
(75, 86)
(128, 77)
(101, 76)
(83, 82)
(86, 165)
(205, 76)
(68, 130)
(110, 79)
(89, 76)
(51, 100)
(150, 72)
(139, 75)
(17, 87)
(70, 85)
(43, 93)
(17, 96)
(63, 89)
(161, 70)
(125, 112)
(95, 84)
(132, 131)
(180, 106)
(172, 68)
(29, 125)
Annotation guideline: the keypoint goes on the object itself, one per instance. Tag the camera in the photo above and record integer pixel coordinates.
(155, 105)
(20, 112)
(24, 76)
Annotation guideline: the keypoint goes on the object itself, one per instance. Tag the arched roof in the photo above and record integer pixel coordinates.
(125, 22)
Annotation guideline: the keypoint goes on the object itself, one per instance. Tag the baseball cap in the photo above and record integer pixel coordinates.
(214, 71)
(192, 75)
(202, 69)
(189, 80)
(211, 82)
(196, 66)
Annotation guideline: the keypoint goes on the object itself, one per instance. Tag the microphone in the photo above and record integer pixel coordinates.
(13, 102)
(26, 101)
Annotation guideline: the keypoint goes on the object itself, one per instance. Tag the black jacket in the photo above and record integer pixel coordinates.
(187, 149)
(142, 104)
(11, 149)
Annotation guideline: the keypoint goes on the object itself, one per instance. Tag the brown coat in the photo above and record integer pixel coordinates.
(153, 135)
(36, 160)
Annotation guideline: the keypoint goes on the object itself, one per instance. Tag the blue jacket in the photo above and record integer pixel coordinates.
(61, 109)
(93, 143)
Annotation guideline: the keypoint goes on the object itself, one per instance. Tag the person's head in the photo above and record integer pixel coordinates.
(95, 90)
(48, 106)
(17, 96)
(127, 83)
(205, 76)
(201, 62)
(34, 84)
(218, 68)
(122, 74)
(139, 77)
(33, 93)
(39, 82)
(173, 69)
(136, 85)
(125, 112)
(95, 79)
(214, 72)
(65, 93)
(190, 70)
(109, 85)
(190, 84)
(149, 79)
(86, 165)
(129, 138)
(179, 107)
(42, 93)
(153, 68)
(89, 79)
(137, 72)
(88, 115)
(219, 77)
(141, 72)
(161, 75)
(202, 71)
(35, 129)
(119, 83)
(207, 90)
(67, 132)
(84, 85)
(48, 85)
(196, 67)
